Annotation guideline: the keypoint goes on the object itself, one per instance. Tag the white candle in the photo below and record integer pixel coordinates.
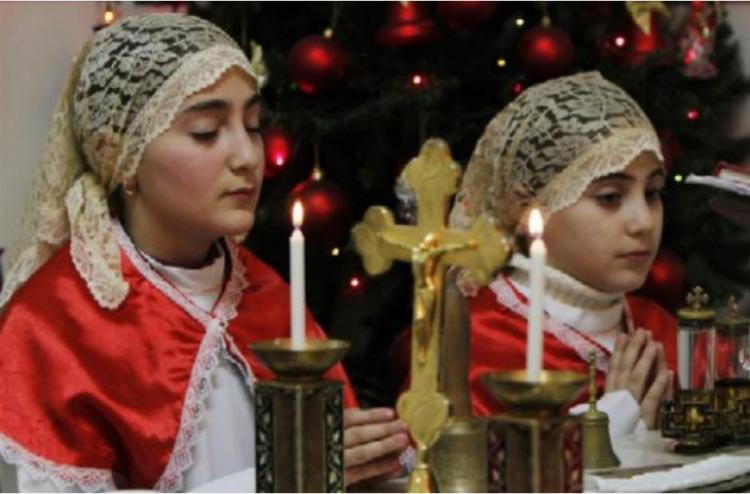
(297, 278)
(538, 255)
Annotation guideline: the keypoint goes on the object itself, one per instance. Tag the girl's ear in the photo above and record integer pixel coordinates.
(523, 208)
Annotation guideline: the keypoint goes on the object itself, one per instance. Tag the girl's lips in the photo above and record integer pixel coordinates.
(636, 254)
(242, 191)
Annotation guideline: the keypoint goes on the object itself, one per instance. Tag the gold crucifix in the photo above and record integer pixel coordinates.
(430, 247)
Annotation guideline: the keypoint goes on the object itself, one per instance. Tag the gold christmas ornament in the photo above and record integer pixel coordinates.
(641, 12)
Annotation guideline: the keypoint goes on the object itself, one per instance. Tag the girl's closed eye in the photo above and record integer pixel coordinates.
(253, 128)
(204, 135)
(654, 193)
(608, 198)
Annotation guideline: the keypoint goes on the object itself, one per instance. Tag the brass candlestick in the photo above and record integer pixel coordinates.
(597, 445)
(299, 418)
(536, 446)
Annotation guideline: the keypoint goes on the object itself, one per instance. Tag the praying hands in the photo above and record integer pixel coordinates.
(638, 365)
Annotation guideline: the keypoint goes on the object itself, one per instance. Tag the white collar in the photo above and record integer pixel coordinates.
(206, 279)
(570, 302)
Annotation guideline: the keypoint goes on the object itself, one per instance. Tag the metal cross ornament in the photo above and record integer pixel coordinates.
(430, 246)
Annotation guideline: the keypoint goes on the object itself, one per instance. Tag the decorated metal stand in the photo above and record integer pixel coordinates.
(536, 446)
(299, 418)
(732, 386)
(430, 247)
(693, 418)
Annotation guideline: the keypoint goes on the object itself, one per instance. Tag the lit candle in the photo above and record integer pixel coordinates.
(297, 278)
(538, 255)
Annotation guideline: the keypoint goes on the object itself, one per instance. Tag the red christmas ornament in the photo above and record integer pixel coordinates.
(666, 280)
(693, 114)
(407, 23)
(546, 51)
(278, 149)
(466, 15)
(327, 211)
(316, 63)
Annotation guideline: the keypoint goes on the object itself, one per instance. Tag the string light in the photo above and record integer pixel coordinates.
(678, 178)
(335, 251)
(417, 80)
(620, 41)
(109, 14)
(354, 282)
(520, 21)
(501, 62)
(693, 114)
(328, 33)
(517, 88)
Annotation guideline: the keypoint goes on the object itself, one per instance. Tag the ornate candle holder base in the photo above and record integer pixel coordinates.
(693, 420)
(536, 446)
(459, 457)
(299, 418)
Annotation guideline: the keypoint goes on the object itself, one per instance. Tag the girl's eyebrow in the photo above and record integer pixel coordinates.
(628, 178)
(219, 104)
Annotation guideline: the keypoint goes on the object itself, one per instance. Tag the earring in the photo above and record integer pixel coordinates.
(129, 187)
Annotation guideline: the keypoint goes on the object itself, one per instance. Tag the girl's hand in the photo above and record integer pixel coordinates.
(638, 365)
(373, 441)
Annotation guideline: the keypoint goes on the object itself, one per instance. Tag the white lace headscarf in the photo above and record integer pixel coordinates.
(123, 91)
(549, 145)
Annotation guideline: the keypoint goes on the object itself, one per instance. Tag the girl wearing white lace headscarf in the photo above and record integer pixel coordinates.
(127, 315)
(583, 151)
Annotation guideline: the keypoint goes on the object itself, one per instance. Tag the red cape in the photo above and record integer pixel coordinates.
(91, 396)
(498, 343)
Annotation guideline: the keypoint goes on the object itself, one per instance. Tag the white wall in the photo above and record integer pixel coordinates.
(738, 15)
(38, 42)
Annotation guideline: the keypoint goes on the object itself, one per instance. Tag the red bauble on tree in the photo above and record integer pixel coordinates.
(316, 63)
(466, 15)
(407, 24)
(327, 211)
(666, 280)
(546, 51)
(278, 148)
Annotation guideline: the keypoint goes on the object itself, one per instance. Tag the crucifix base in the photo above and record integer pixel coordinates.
(459, 457)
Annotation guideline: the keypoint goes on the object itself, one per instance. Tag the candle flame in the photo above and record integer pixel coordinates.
(536, 223)
(298, 214)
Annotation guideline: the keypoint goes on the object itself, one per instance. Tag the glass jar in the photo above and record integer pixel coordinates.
(696, 343)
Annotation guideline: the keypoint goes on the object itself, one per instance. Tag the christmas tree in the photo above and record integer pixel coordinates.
(355, 88)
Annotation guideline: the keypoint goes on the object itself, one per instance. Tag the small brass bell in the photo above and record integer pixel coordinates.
(597, 446)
